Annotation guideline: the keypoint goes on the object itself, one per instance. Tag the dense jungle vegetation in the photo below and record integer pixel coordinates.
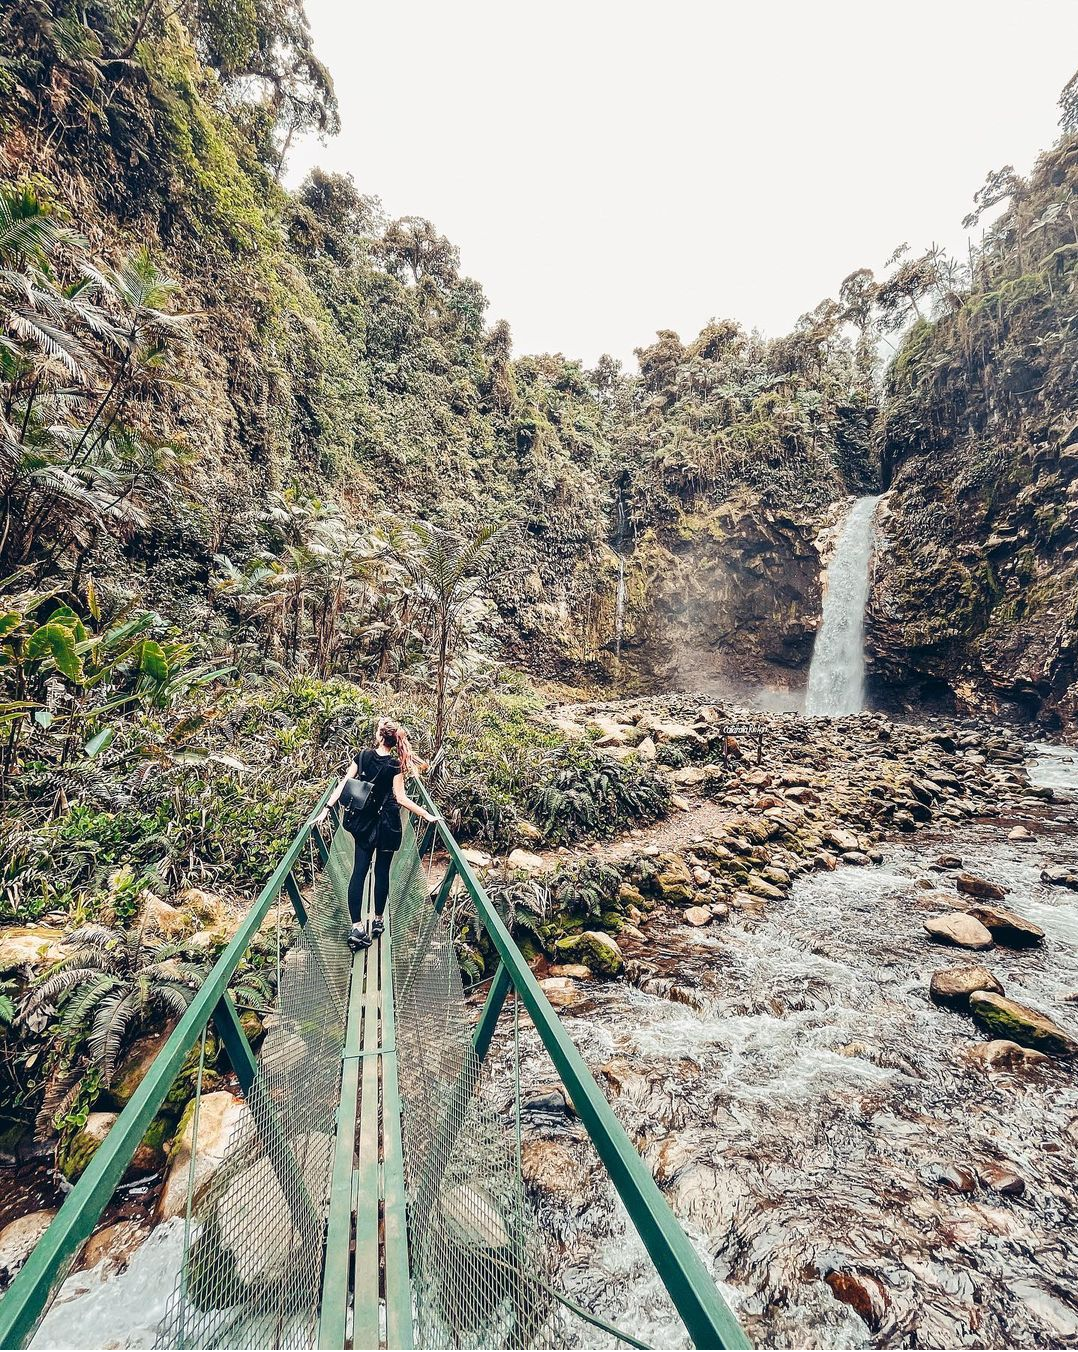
(267, 467)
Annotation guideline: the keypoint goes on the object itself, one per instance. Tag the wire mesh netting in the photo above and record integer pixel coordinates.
(254, 1241)
(482, 1271)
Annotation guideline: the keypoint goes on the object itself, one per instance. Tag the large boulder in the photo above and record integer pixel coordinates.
(953, 986)
(1004, 1018)
(269, 1252)
(219, 1116)
(959, 929)
(1007, 928)
(593, 948)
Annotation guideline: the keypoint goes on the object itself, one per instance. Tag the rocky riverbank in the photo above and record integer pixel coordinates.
(867, 1151)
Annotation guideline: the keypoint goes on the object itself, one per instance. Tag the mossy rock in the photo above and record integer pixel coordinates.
(596, 950)
(252, 1027)
(612, 920)
(1004, 1018)
(672, 879)
(76, 1152)
(631, 896)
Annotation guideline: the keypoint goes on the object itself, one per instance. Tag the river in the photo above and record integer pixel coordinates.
(810, 1112)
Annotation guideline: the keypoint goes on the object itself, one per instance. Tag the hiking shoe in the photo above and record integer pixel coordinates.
(358, 938)
(378, 927)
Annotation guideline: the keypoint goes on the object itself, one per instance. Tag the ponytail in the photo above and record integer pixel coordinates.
(395, 736)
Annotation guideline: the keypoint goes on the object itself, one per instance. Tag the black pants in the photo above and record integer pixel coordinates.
(383, 859)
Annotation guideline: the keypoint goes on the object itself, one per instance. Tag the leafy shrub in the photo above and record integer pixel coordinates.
(523, 903)
(584, 890)
(581, 792)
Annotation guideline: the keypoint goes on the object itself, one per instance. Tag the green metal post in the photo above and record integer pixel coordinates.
(492, 1007)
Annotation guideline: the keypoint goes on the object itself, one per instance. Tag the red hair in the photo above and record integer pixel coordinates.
(395, 736)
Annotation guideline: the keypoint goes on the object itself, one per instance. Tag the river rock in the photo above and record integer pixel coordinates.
(1058, 875)
(112, 1246)
(865, 1294)
(561, 991)
(219, 1117)
(1002, 1054)
(1007, 927)
(551, 1169)
(1002, 1179)
(647, 749)
(759, 888)
(679, 801)
(673, 880)
(958, 929)
(980, 888)
(946, 862)
(18, 1239)
(1021, 835)
(594, 949)
(953, 986)
(697, 915)
(523, 861)
(77, 1153)
(842, 840)
(576, 970)
(1005, 1018)
(477, 858)
(955, 1177)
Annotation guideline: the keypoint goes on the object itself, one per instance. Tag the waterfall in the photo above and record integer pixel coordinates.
(621, 541)
(836, 683)
(619, 607)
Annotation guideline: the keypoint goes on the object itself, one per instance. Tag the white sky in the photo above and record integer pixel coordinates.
(609, 168)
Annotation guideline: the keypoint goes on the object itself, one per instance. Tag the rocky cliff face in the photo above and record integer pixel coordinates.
(728, 597)
(975, 605)
(975, 602)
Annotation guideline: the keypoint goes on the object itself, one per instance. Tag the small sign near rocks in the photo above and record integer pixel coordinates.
(731, 732)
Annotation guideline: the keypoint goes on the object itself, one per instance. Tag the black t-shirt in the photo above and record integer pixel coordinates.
(383, 825)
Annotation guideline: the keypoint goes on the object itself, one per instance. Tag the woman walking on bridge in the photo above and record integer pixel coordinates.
(373, 791)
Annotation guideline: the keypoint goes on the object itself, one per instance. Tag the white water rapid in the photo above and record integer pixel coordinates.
(836, 683)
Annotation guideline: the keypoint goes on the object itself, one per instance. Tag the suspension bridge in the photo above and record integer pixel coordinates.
(372, 1191)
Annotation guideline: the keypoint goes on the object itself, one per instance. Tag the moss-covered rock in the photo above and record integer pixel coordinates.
(1004, 1018)
(672, 879)
(78, 1150)
(596, 950)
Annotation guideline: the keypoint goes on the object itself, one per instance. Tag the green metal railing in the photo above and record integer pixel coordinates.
(708, 1319)
(29, 1295)
(469, 1268)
